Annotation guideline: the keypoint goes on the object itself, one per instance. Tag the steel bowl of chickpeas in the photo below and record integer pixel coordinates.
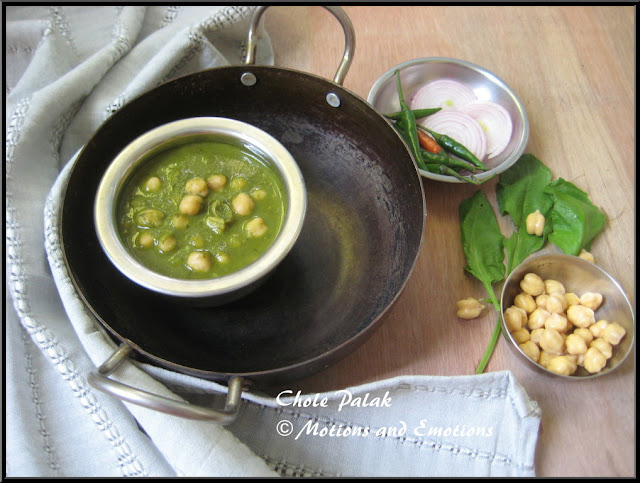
(567, 316)
(200, 209)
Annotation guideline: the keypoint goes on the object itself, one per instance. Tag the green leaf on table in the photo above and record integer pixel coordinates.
(482, 240)
(521, 191)
(519, 246)
(575, 220)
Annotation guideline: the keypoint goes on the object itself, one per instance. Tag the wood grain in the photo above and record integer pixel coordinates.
(573, 67)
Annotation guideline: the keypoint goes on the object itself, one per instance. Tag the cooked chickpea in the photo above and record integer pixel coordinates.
(580, 359)
(223, 257)
(552, 342)
(556, 303)
(514, 318)
(553, 286)
(235, 241)
(597, 329)
(557, 322)
(537, 318)
(562, 365)
(196, 241)
(532, 284)
(571, 299)
(469, 308)
(191, 205)
(535, 334)
(238, 183)
(199, 261)
(585, 255)
(180, 222)
(535, 223)
(573, 358)
(591, 300)
(541, 300)
(525, 301)
(575, 344)
(242, 204)
(584, 333)
(256, 227)
(167, 243)
(580, 316)
(258, 194)
(150, 218)
(145, 240)
(603, 346)
(217, 182)
(594, 360)
(197, 186)
(531, 350)
(545, 357)
(153, 184)
(520, 336)
(613, 333)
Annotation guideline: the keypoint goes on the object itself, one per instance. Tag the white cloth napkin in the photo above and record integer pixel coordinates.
(67, 70)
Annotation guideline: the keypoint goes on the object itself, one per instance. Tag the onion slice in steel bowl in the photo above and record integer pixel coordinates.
(460, 127)
(495, 121)
(444, 93)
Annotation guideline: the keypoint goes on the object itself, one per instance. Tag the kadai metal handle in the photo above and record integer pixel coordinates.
(345, 22)
(100, 380)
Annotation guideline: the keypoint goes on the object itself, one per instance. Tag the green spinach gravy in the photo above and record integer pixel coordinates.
(201, 210)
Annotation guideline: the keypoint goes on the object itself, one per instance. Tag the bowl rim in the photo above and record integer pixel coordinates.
(124, 165)
(524, 138)
(570, 259)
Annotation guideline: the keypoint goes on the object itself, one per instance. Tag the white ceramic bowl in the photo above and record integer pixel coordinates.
(383, 96)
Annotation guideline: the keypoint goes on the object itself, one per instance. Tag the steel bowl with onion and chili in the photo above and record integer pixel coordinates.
(461, 122)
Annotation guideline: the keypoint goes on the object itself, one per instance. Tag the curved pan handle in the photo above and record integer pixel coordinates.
(100, 381)
(349, 33)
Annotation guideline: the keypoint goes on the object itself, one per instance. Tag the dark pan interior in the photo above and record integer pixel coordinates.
(357, 248)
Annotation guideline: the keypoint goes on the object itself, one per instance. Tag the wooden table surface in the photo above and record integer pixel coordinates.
(573, 68)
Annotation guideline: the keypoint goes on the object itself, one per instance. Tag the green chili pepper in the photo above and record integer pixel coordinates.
(417, 113)
(443, 158)
(446, 170)
(407, 122)
(454, 147)
(405, 135)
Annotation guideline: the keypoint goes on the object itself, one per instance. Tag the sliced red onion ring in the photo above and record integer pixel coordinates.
(461, 127)
(444, 93)
(495, 121)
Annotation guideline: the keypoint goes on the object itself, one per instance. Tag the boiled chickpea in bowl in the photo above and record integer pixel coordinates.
(556, 311)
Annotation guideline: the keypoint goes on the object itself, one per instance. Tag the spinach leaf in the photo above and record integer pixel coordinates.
(575, 220)
(521, 191)
(482, 242)
(483, 247)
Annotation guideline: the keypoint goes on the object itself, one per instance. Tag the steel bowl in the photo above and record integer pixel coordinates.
(415, 73)
(578, 276)
(213, 291)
